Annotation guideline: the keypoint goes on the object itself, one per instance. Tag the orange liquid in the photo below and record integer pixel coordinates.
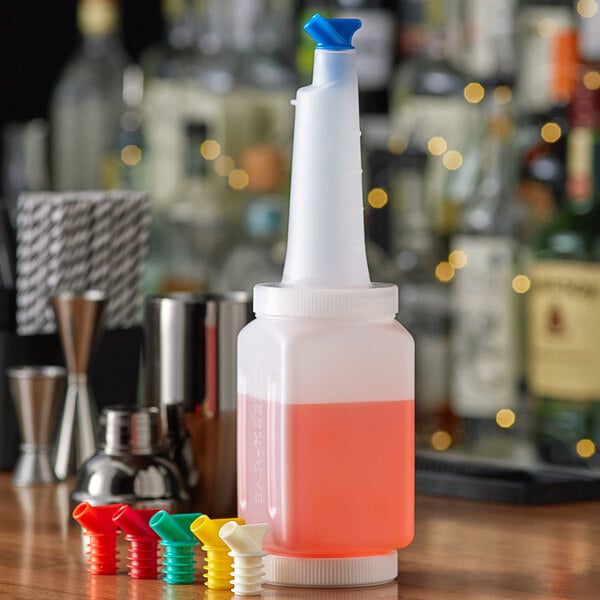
(332, 480)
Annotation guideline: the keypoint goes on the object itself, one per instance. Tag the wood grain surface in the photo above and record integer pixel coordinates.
(462, 550)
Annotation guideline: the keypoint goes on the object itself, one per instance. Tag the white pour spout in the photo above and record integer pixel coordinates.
(326, 272)
(326, 239)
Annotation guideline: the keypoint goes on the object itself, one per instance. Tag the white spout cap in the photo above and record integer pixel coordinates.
(244, 540)
(326, 271)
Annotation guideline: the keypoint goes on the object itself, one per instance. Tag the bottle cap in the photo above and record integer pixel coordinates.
(129, 430)
(97, 17)
(332, 34)
(331, 572)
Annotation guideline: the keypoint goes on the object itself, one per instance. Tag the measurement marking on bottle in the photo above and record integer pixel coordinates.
(259, 453)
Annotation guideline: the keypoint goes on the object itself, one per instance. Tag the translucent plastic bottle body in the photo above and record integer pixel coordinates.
(326, 435)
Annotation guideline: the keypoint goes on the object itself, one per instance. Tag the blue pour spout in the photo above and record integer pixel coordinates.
(332, 34)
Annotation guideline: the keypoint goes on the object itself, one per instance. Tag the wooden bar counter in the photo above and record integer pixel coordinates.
(462, 549)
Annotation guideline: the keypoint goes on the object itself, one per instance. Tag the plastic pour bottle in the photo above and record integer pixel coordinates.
(325, 372)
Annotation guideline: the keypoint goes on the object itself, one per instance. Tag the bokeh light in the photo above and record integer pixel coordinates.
(505, 418)
(131, 155)
(474, 92)
(377, 198)
(397, 143)
(547, 27)
(521, 284)
(502, 94)
(437, 145)
(210, 149)
(586, 448)
(223, 165)
(587, 8)
(591, 80)
(441, 440)
(458, 258)
(444, 271)
(551, 132)
(452, 160)
(238, 179)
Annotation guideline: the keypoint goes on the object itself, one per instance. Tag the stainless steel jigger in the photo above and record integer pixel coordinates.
(36, 392)
(78, 319)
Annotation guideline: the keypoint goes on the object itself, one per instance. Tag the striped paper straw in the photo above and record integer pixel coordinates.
(77, 241)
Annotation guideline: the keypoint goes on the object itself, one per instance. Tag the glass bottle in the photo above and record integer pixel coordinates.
(375, 47)
(563, 315)
(547, 52)
(86, 101)
(484, 252)
(235, 84)
(258, 257)
(485, 50)
(427, 102)
(195, 226)
(167, 58)
(128, 157)
(423, 299)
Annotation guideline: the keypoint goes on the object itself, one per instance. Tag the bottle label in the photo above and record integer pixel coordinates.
(484, 337)
(487, 38)
(546, 33)
(580, 164)
(564, 329)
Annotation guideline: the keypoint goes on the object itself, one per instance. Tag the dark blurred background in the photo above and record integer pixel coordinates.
(38, 37)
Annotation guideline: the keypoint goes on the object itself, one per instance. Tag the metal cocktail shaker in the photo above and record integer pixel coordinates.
(127, 467)
(190, 357)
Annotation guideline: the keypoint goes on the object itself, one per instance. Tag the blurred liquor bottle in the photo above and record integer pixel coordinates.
(186, 82)
(548, 59)
(374, 43)
(423, 299)
(189, 237)
(375, 52)
(258, 256)
(231, 85)
(483, 46)
(260, 105)
(86, 101)
(7, 271)
(127, 167)
(25, 165)
(428, 105)
(232, 80)
(564, 301)
(168, 57)
(484, 253)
